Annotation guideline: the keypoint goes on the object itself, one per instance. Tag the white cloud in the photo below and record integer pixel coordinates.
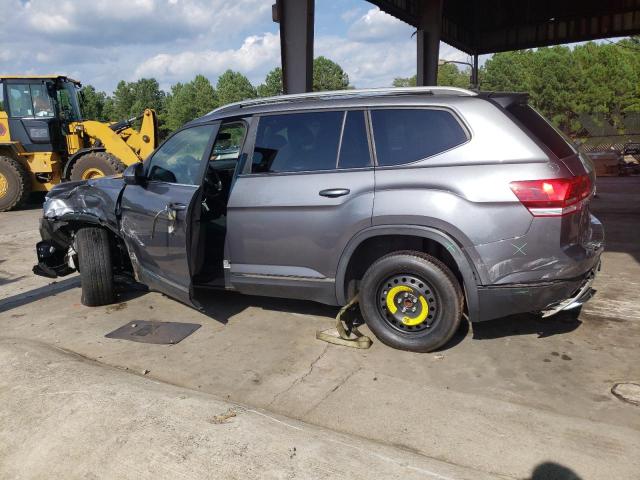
(256, 54)
(378, 26)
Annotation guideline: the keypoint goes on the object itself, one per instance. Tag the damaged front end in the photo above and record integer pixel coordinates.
(68, 207)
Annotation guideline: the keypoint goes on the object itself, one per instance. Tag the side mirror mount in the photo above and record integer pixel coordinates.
(134, 174)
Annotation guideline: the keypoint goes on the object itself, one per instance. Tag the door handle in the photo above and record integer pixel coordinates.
(170, 211)
(177, 206)
(334, 192)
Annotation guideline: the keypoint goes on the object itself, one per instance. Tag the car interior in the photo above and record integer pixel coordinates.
(209, 230)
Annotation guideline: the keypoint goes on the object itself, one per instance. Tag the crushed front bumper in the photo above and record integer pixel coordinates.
(52, 252)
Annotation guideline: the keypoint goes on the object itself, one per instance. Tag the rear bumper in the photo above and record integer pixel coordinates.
(548, 297)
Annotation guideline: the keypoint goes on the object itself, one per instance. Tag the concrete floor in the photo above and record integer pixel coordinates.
(504, 397)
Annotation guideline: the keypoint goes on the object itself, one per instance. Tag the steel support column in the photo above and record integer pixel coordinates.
(428, 41)
(475, 80)
(296, 19)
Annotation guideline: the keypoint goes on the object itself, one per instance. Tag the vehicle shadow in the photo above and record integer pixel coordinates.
(5, 280)
(221, 306)
(39, 293)
(553, 471)
(527, 324)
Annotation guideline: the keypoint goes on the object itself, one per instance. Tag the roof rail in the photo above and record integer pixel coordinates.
(337, 94)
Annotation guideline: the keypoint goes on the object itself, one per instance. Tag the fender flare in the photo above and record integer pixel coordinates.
(465, 265)
(66, 171)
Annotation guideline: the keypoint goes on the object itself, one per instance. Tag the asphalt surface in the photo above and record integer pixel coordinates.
(518, 397)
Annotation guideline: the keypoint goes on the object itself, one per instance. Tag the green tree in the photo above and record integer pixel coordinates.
(596, 83)
(93, 103)
(234, 87)
(131, 98)
(449, 75)
(328, 75)
(272, 85)
(188, 101)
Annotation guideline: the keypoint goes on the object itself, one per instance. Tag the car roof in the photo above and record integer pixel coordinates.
(337, 99)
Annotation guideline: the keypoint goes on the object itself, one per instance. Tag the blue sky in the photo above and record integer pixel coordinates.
(103, 41)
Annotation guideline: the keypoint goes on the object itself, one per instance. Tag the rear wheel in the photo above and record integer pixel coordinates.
(96, 271)
(411, 301)
(96, 165)
(15, 183)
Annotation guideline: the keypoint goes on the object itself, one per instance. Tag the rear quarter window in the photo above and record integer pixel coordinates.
(539, 128)
(407, 135)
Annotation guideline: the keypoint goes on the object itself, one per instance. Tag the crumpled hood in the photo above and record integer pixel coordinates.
(95, 198)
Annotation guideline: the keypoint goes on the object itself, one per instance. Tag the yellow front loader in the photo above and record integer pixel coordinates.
(44, 139)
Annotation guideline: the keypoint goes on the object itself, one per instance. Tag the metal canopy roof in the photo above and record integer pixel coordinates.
(487, 26)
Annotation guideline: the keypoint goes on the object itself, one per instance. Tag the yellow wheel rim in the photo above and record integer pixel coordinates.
(408, 303)
(4, 185)
(90, 173)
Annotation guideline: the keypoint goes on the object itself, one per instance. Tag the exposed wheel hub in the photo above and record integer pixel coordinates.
(407, 303)
(90, 173)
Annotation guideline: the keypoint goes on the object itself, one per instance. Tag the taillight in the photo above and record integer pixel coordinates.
(553, 197)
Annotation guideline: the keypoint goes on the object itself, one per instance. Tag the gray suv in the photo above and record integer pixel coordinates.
(430, 204)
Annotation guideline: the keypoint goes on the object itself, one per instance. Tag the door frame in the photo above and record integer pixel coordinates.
(153, 279)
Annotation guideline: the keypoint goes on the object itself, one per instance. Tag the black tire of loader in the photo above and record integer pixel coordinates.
(103, 161)
(18, 185)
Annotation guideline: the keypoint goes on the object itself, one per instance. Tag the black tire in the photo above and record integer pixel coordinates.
(15, 183)
(428, 280)
(94, 262)
(94, 162)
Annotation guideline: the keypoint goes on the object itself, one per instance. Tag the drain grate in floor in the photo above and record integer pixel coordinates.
(627, 392)
(162, 333)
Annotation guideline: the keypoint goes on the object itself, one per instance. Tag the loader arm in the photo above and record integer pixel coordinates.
(128, 144)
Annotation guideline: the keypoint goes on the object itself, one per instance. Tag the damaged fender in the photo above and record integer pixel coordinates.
(67, 207)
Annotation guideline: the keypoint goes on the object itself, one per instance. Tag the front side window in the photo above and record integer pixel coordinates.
(297, 142)
(228, 142)
(30, 100)
(408, 135)
(179, 159)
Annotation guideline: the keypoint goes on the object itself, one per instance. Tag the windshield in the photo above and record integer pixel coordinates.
(30, 100)
(68, 102)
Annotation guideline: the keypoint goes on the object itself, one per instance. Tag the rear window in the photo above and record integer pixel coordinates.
(539, 128)
(297, 142)
(407, 135)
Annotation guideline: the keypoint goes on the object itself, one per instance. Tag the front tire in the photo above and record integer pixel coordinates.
(15, 184)
(96, 271)
(96, 165)
(411, 301)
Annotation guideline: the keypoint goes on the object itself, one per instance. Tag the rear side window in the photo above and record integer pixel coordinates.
(539, 128)
(407, 135)
(297, 142)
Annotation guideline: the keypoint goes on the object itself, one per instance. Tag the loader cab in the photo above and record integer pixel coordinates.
(39, 110)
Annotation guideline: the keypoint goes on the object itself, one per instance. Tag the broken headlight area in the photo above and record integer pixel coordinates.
(52, 260)
(56, 257)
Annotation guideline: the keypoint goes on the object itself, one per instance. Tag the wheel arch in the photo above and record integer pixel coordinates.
(400, 234)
